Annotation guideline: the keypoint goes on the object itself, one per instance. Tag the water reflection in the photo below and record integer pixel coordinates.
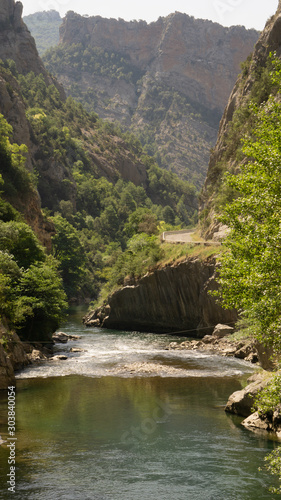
(110, 423)
(133, 438)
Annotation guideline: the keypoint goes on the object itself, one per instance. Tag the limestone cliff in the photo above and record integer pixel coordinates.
(168, 82)
(172, 299)
(224, 157)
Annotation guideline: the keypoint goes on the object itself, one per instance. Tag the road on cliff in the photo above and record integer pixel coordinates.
(183, 236)
(186, 236)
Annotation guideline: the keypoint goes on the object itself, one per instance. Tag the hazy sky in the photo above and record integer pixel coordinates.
(250, 13)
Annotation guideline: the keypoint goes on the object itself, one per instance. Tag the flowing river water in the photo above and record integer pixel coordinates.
(127, 419)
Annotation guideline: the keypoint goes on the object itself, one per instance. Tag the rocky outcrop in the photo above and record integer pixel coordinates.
(174, 80)
(241, 402)
(12, 357)
(16, 42)
(270, 423)
(172, 299)
(224, 346)
(224, 155)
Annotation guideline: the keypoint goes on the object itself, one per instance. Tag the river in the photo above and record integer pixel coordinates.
(126, 419)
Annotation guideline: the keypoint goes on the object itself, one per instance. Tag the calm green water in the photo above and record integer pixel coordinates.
(92, 429)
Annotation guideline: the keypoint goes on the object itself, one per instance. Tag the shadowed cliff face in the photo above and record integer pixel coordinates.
(222, 158)
(17, 44)
(173, 299)
(16, 41)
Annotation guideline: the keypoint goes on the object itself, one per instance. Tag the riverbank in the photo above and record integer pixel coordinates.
(16, 355)
(223, 342)
(242, 402)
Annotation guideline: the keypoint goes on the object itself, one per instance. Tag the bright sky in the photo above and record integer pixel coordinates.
(249, 13)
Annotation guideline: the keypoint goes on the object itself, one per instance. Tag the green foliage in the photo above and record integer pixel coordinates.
(142, 253)
(250, 272)
(19, 240)
(265, 403)
(17, 180)
(31, 293)
(273, 466)
(40, 302)
(95, 60)
(70, 254)
(270, 397)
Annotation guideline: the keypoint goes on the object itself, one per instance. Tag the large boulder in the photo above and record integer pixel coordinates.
(12, 357)
(221, 331)
(241, 402)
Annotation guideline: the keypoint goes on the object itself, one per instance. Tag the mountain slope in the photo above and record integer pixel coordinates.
(97, 186)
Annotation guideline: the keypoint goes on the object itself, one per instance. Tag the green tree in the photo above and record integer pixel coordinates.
(250, 273)
(40, 303)
(70, 254)
(169, 215)
(19, 240)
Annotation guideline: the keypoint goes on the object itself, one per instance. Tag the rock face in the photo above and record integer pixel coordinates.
(183, 71)
(16, 42)
(241, 402)
(199, 58)
(173, 299)
(12, 357)
(223, 156)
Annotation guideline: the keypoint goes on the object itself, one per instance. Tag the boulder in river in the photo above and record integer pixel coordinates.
(63, 338)
(59, 357)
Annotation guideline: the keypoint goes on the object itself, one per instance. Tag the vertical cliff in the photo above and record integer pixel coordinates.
(236, 121)
(167, 81)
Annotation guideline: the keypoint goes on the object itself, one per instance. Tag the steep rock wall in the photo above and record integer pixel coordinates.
(172, 299)
(198, 57)
(222, 158)
(172, 85)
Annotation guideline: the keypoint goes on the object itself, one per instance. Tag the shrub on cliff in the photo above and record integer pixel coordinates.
(31, 292)
(250, 271)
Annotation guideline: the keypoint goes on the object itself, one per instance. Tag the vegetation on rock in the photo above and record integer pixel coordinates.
(32, 299)
(250, 268)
